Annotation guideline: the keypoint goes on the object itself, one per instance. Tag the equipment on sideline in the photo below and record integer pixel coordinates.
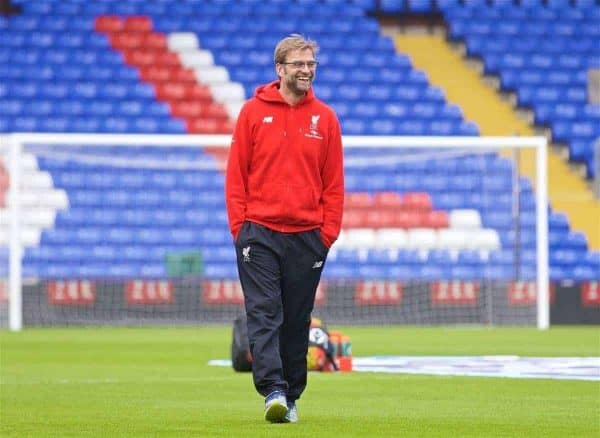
(323, 354)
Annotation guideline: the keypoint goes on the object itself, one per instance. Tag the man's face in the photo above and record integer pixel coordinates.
(298, 71)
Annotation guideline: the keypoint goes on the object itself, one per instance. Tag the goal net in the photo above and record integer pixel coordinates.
(132, 230)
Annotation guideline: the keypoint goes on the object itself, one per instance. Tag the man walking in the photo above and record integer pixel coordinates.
(284, 194)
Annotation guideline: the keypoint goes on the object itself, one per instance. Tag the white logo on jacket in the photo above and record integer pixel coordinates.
(314, 122)
(268, 119)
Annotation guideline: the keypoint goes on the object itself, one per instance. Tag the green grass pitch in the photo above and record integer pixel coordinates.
(155, 382)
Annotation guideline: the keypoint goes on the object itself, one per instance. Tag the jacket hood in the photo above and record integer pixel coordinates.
(270, 93)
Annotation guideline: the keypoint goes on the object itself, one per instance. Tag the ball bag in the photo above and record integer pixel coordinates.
(318, 358)
(241, 359)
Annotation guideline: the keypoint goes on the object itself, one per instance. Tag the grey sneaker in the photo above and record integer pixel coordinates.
(276, 407)
(292, 413)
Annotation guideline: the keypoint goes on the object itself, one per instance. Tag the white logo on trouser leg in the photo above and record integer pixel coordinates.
(318, 264)
(246, 254)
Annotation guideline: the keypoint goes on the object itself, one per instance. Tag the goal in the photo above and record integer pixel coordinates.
(131, 230)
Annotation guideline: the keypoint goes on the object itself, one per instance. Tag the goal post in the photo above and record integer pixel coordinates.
(366, 152)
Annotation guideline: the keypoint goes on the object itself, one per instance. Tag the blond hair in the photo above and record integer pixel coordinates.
(293, 42)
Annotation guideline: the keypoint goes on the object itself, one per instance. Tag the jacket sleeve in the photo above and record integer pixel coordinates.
(236, 178)
(332, 176)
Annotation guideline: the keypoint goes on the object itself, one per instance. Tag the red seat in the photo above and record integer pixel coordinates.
(225, 126)
(138, 23)
(202, 126)
(380, 218)
(182, 91)
(155, 73)
(354, 218)
(417, 202)
(187, 109)
(108, 23)
(154, 40)
(164, 57)
(216, 111)
(140, 58)
(387, 200)
(126, 40)
(436, 219)
(407, 219)
(358, 200)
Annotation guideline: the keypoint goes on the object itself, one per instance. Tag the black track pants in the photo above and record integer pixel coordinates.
(279, 273)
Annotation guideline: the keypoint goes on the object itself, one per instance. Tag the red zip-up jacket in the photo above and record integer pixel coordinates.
(285, 166)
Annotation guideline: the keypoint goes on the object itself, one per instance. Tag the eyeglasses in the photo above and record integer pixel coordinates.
(299, 64)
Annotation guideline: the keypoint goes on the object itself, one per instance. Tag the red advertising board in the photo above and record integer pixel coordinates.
(524, 293)
(378, 293)
(71, 292)
(454, 293)
(222, 292)
(3, 292)
(590, 294)
(145, 292)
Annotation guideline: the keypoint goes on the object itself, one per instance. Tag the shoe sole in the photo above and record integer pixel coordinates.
(276, 413)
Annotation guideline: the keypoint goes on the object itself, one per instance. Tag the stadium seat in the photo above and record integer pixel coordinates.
(452, 239)
(465, 219)
(422, 239)
(391, 238)
(359, 238)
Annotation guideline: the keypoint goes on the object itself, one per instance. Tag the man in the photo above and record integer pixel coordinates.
(284, 194)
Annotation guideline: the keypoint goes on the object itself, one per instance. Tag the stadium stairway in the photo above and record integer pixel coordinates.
(481, 104)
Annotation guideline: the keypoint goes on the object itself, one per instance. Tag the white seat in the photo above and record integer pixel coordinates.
(36, 179)
(28, 162)
(30, 236)
(485, 239)
(234, 108)
(182, 41)
(212, 74)
(339, 243)
(196, 59)
(56, 199)
(452, 239)
(40, 217)
(227, 92)
(391, 238)
(359, 238)
(36, 217)
(422, 238)
(465, 219)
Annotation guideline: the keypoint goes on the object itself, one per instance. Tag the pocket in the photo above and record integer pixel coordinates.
(241, 233)
(324, 248)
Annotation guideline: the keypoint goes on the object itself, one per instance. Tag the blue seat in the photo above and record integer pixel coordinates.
(585, 273)
(592, 260)
(435, 273)
(335, 271)
(420, 6)
(564, 258)
(382, 127)
(220, 271)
